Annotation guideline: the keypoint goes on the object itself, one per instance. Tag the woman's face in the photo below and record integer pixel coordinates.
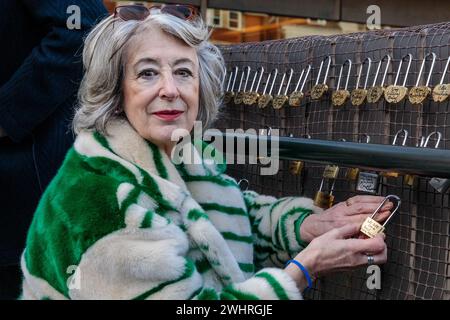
(161, 87)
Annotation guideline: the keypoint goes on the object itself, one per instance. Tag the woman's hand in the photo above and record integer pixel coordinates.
(335, 251)
(354, 210)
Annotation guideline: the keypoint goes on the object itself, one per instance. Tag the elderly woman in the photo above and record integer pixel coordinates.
(122, 221)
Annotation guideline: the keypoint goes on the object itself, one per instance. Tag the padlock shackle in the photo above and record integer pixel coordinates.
(247, 184)
(268, 81)
(289, 82)
(229, 81)
(438, 139)
(409, 56)
(422, 67)
(273, 81)
(253, 81)
(349, 63)
(326, 72)
(246, 79)
(242, 79)
(281, 84)
(445, 71)
(364, 135)
(259, 80)
(269, 131)
(235, 76)
(360, 72)
(391, 196)
(388, 57)
(405, 133)
(308, 71)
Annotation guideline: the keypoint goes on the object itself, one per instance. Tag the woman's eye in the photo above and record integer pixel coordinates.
(184, 72)
(148, 73)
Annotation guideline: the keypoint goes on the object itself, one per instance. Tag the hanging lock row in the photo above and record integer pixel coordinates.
(394, 93)
(242, 96)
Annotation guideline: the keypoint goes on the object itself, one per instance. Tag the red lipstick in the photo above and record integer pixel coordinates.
(168, 115)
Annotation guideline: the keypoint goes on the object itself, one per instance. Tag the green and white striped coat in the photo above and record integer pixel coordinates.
(135, 226)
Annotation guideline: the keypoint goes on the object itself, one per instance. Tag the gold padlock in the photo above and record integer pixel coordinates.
(239, 97)
(395, 93)
(280, 99)
(296, 97)
(296, 167)
(320, 89)
(252, 97)
(418, 94)
(442, 91)
(376, 92)
(229, 94)
(370, 227)
(352, 174)
(339, 97)
(265, 99)
(359, 95)
(322, 199)
(405, 137)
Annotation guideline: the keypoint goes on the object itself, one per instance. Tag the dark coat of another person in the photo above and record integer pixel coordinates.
(40, 71)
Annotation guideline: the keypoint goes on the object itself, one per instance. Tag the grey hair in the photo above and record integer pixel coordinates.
(100, 95)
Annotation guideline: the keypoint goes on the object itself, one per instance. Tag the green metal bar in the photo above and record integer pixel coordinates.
(407, 160)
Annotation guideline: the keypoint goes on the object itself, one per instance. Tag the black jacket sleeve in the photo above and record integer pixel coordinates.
(52, 71)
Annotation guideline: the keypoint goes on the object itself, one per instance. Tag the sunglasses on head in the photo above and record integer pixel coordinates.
(140, 12)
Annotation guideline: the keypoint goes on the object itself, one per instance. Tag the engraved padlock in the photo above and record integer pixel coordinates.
(280, 99)
(324, 199)
(376, 92)
(368, 182)
(395, 93)
(410, 179)
(296, 167)
(229, 94)
(296, 97)
(393, 174)
(370, 227)
(339, 96)
(442, 91)
(418, 94)
(320, 89)
(441, 185)
(266, 98)
(239, 96)
(252, 97)
(352, 173)
(359, 95)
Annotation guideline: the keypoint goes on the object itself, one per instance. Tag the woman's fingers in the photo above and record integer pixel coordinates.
(363, 198)
(374, 245)
(367, 208)
(346, 231)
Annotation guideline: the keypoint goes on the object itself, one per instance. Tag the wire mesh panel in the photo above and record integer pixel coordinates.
(418, 237)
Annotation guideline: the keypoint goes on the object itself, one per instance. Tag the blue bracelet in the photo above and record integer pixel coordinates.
(305, 272)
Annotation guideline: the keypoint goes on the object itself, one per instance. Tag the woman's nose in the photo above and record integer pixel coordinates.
(169, 89)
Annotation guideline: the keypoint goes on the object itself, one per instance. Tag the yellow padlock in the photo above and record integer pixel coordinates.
(376, 92)
(296, 97)
(370, 227)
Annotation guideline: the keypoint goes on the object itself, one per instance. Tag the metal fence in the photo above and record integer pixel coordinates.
(418, 237)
